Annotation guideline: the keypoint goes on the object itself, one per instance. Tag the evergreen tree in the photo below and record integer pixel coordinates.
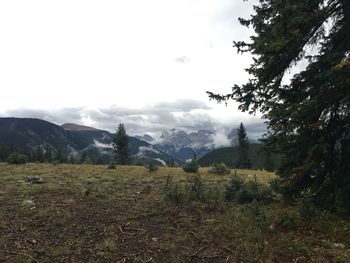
(170, 162)
(242, 159)
(309, 117)
(83, 158)
(39, 154)
(5, 151)
(60, 156)
(268, 162)
(98, 160)
(121, 145)
(48, 154)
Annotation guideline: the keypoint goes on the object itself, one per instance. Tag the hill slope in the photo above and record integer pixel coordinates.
(259, 159)
(221, 155)
(27, 135)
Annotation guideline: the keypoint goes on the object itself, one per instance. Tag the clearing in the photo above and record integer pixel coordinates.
(87, 213)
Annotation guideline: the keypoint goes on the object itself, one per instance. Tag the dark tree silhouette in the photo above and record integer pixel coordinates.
(242, 159)
(121, 145)
(308, 118)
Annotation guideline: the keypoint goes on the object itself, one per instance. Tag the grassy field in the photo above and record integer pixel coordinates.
(85, 213)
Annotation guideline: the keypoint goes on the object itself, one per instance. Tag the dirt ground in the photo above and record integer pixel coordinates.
(86, 213)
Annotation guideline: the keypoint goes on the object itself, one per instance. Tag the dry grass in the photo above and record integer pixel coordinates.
(85, 213)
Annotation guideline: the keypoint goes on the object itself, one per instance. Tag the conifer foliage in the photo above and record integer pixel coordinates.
(309, 117)
(242, 152)
(121, 145)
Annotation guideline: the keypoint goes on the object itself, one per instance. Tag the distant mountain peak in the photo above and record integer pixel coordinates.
(145, 137)
(182, 145)
(77, 127)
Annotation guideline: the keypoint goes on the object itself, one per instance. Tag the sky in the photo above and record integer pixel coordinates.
(145, 63)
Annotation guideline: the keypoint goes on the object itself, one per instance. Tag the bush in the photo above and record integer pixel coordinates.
(254, 191)
(233, 188)
(306, 207)
(147, 189)
(219, 168)
(213, 195)
(111, 165)
(173, 192)
(247, 192)
(285, 219)
(152, 167)
(191, 167)
(17, 158)
(55, 162)
(275, 185)
(258, 216)
(193, 190)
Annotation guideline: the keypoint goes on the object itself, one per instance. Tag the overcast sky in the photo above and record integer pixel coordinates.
(146, 63)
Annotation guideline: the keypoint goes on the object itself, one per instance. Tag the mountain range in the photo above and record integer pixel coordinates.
(77, 141)
(73, 141)
(184, 146)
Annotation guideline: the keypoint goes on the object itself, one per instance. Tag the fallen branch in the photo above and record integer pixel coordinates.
(227, 249)
(195, 235)
(125, 233)
(197, 253)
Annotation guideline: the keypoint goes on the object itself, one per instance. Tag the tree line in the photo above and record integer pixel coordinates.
(245, 155)
(43, 154)
(49, 154)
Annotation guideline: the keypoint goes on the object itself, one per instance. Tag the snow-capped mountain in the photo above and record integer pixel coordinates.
(182, 145)
(101, 145)
(145, 137)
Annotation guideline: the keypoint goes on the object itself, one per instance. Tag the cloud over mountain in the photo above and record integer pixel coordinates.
(188, 115)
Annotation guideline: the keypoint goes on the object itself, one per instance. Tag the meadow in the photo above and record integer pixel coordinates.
(88, 213)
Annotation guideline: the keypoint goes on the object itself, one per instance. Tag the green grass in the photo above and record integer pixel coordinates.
(86, 213)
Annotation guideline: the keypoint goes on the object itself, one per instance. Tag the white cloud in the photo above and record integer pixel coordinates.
(187, 115)
(220, 139)
(91, 55)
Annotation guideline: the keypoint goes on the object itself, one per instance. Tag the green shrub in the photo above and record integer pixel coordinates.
(152, 167)
(191, 167)
(16, 158)
(219, 168)
(338, 257)
(213, 195)
(233, 188)
(247, 192)
(174, 192)
(147, 189)
(111, 165)
(258, 215)
(286, 219)
(306, 207)
(275, 185)
(192, 190)
(254, 191)
(55, 162)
